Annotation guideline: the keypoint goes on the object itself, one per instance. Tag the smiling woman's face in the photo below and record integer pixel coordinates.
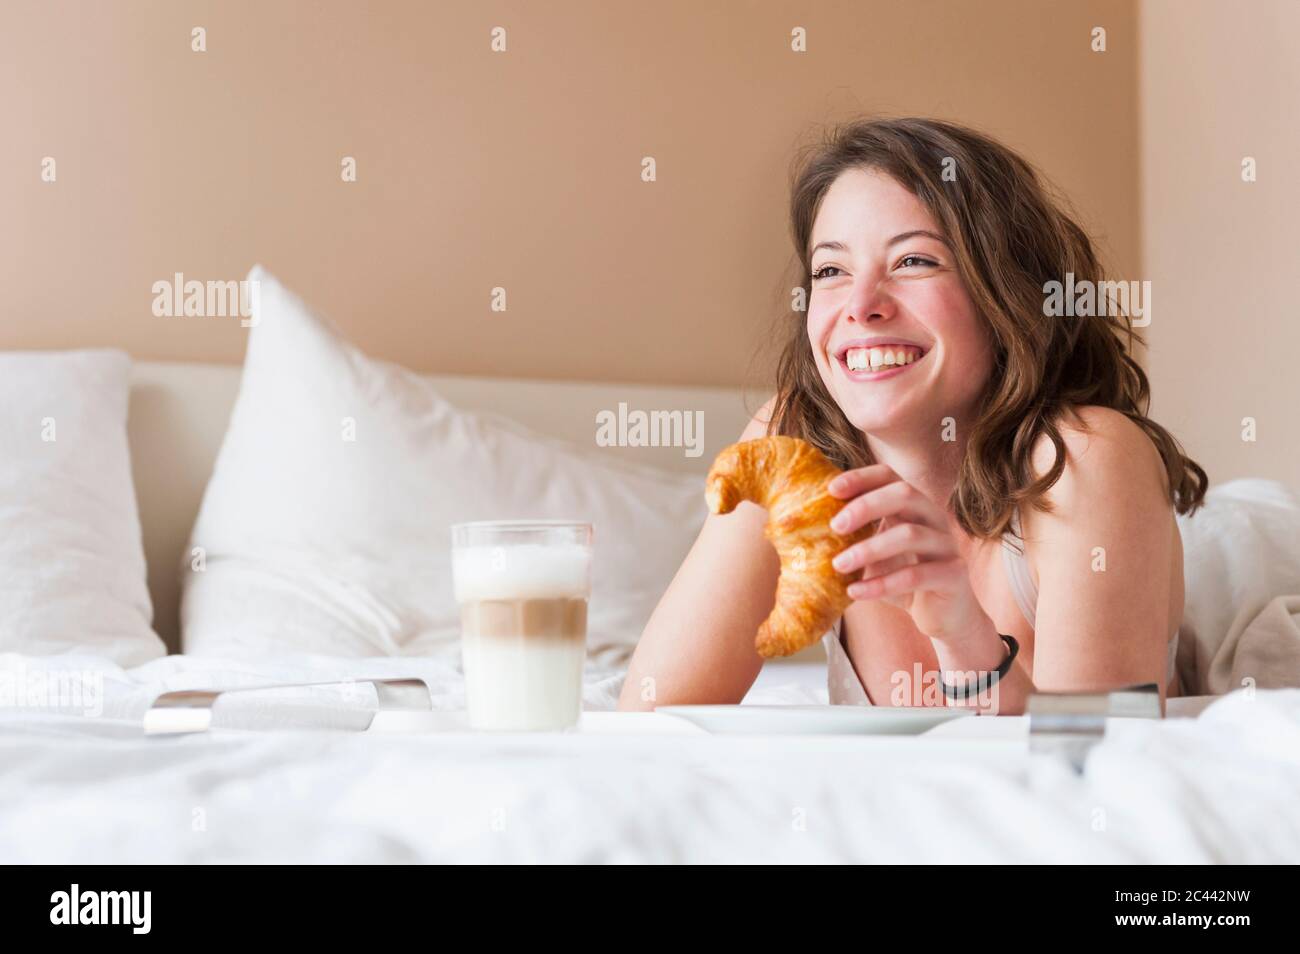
(883, 280)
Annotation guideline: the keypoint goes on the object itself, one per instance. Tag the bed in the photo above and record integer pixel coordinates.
(310, 774)
(293, 777)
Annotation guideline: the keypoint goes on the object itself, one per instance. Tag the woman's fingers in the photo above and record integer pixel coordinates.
(854, 483)
(904, 539)
(888, 566)
(936, 575)
(896, 499)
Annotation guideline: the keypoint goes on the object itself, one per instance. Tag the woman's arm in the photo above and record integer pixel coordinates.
(698, 647)
(1105, 560)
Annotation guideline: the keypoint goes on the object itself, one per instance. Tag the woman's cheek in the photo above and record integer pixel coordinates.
(818, 327)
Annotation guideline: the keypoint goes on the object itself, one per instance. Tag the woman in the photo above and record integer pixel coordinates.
(1023, 490)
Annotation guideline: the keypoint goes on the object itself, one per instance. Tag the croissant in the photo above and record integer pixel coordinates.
(788, 478)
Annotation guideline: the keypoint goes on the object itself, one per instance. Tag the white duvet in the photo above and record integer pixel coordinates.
(81, 783)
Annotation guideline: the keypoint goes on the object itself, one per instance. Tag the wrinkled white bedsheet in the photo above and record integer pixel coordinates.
(80, 783)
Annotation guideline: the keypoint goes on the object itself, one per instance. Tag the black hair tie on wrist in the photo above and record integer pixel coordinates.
(984, 680)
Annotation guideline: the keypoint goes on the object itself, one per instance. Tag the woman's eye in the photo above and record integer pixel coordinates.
(907, 261)
(822, 272)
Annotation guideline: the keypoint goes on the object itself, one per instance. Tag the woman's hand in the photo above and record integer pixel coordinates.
(912, 561)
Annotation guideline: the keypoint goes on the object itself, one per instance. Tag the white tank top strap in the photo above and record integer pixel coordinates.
(1017, 567)
(843, 686)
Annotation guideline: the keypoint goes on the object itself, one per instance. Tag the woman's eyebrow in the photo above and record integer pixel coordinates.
(923, 233)
(833, 246)
(900, 237)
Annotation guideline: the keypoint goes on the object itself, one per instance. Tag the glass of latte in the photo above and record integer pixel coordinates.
(522, 587)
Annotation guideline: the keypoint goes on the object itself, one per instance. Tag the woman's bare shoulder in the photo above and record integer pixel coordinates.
(1113, 475)
(1098, 435)
(757, 426)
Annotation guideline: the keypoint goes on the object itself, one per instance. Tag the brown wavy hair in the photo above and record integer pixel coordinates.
(1010, 236)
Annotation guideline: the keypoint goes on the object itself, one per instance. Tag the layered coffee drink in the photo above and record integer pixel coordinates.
(522, 588)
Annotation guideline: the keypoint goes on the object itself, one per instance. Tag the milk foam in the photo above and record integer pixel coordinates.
(526, 571)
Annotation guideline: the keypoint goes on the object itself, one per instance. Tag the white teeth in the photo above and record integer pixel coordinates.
(861, 359)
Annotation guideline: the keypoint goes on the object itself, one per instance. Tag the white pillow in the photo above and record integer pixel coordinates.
(1240, 552)
(315, 542)
(72, 573)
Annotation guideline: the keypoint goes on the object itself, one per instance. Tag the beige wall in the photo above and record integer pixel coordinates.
(1220, 82)
(518, 169)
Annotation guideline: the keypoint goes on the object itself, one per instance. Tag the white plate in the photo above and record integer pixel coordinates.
(590, 723)
(815, 720)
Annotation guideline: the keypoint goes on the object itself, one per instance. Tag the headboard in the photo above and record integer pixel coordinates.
(179, 413)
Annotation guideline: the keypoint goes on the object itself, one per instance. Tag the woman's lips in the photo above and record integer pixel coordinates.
(881, 373)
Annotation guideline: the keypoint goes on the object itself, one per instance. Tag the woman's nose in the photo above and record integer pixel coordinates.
(869, 299)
